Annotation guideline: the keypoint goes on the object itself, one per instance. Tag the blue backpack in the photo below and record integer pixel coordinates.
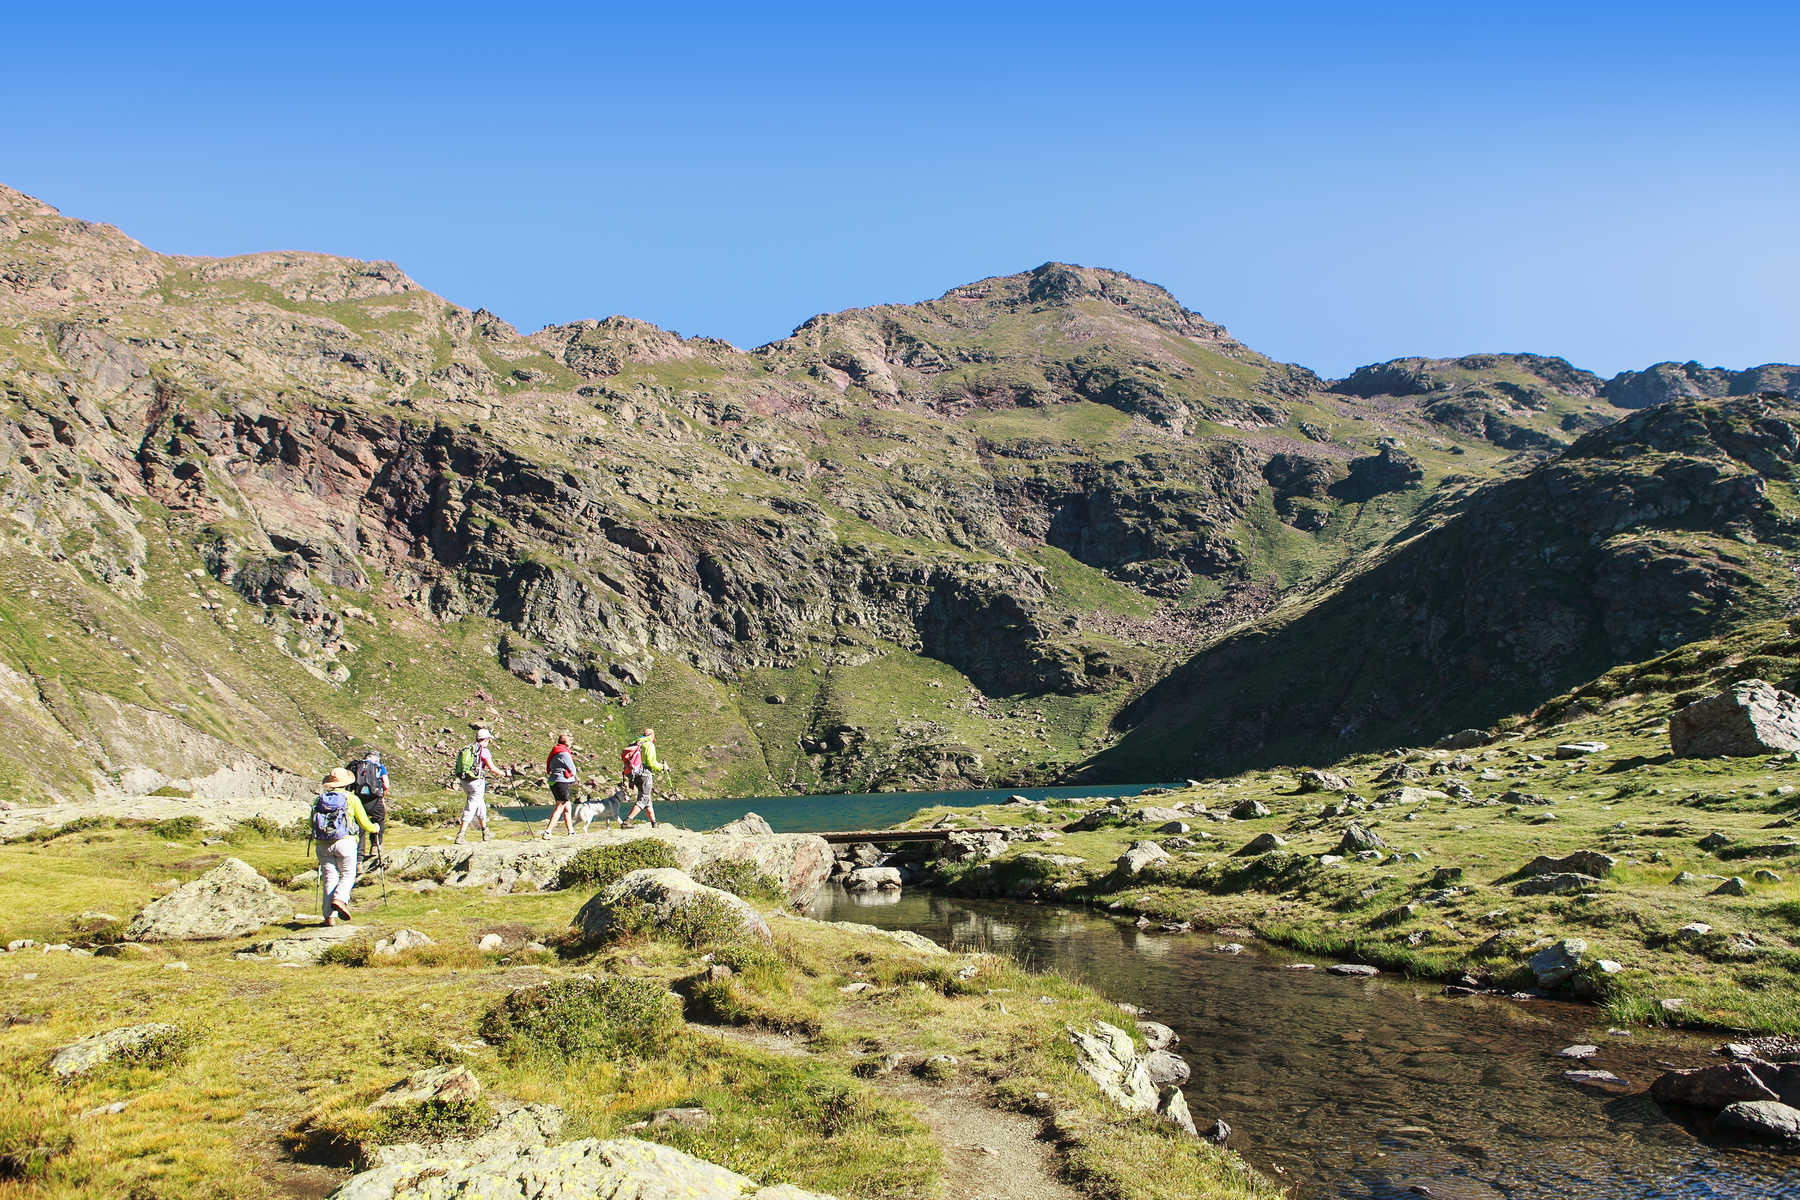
(331, 817)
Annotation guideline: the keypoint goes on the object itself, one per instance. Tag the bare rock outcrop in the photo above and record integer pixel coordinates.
(666, 891)
(1752, 718)
(589, 1167)
(228, 901)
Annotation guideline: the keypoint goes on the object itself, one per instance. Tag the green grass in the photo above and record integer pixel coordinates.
(289, 1060)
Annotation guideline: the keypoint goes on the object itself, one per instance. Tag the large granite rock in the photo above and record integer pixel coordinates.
(1558, 883)
(228, 901)
(1763, 1118)
(1107, 1055)
(78, 1058)
(665, 890)
(621, 1168)
(1711, 1087)
(870, 879)
(303, 945)
(1581, 862)
(1752, 718)
(801, 862)
(1140, 856)
(1557, 964)
(1323, 781)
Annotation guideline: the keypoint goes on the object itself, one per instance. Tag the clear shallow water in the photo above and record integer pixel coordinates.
(817, 814)
(1368, 1088)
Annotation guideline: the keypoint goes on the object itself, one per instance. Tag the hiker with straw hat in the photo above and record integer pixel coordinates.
(472, 765)
(336, 816)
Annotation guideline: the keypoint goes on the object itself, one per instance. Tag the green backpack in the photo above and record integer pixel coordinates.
(465, 763)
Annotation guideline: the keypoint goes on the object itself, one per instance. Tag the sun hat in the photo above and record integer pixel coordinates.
(338, 777)
(482, 734)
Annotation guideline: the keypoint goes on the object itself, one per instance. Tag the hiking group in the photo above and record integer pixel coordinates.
(638, 764)
(341, 821)
(350, 813)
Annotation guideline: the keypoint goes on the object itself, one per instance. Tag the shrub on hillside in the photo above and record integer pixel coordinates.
(178, 829)
(740, 877)
(704, 920)
(598, 866)
(574, 1017)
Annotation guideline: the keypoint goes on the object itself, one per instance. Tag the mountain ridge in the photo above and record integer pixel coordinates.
(946, 542)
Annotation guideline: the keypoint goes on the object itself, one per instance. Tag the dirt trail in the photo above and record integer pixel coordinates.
(989, 1153)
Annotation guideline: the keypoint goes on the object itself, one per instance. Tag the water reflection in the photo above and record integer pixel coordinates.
(1368, 1088)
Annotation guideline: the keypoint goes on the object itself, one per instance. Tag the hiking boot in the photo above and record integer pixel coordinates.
(485, 835)
(458, 839)
(329, 917)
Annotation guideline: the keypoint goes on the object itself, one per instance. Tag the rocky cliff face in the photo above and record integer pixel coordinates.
(1665, 527)
(294, 502)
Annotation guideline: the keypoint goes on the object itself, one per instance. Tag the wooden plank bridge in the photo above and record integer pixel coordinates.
(844, 837)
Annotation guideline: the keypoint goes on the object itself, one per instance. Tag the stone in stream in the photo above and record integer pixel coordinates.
(1172, 1107)
(1358, 970)
(1604, 1079)
(228, 901)
(1217, 1133)
(1166, 1069)
(1711, 1087)
(1751, 718)
(1556, 965)
(1580, 1051)
(1763, 1118)
(869, 879)
(1157, 1036)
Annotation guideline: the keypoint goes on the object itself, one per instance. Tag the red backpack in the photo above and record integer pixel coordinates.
(633, 758)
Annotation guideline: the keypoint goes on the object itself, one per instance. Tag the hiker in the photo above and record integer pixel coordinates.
(559, 768)
(640, 760)
(372, 790)
(472, 765)
(592, 807)
(336, 816)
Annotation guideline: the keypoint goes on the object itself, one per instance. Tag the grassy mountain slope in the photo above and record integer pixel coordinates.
(293, 502)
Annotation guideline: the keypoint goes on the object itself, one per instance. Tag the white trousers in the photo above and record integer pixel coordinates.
(337, 869)
(475, 809)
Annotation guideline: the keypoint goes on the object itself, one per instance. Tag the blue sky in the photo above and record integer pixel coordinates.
(1338, 184)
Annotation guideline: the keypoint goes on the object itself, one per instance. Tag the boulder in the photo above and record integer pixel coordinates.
(1106, 1055)
(444, 1085)
(1153, 815)
(621, 1167)
(1579, 749)
(1560, 883)
(304, 945)
(1581, 862)
(1157, 1036)
(1141, 855)
(1249, 810)
(1353, 970)
(665, 890)
(1763, 1118)
(869, 879)
(1711, 1087)
(801, 862)
(1172, 1107)
(1263, 843)
(1735, 886)
(404, 940)
(1411, 795)
(1323, 781)
(1358, 838)
(78, 1058)
(1462, 739)
(1751, 718)
(230, 900)
(1166, 1069)
(749, 825)
(1556, 965)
